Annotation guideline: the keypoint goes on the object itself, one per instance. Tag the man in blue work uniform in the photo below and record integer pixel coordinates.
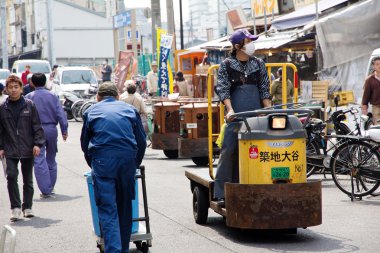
(113, 142)
(51, 113)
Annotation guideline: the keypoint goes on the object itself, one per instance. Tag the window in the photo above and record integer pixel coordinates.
(78, 76)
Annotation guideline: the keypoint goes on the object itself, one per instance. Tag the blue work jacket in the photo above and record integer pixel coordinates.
(112, 129)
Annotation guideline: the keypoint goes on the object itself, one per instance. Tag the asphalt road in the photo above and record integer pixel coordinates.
(63, 223)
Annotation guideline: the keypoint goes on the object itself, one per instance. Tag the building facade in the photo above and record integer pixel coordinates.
(81, 35)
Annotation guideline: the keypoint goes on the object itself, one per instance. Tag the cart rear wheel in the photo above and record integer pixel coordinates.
(171, 154)
(101, 247)
(200, 161)
(200, 205)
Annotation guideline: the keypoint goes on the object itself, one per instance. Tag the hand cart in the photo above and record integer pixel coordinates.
(141, 235)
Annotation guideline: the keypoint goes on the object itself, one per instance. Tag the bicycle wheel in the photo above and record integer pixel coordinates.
(75, 109)
(345, 166)
(84, 107)
(312, 149)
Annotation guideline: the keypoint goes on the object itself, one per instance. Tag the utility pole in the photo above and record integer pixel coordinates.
(181, 24)
(4, 35)
(316, 10)
(156, 21)
(219, 21)
(133, 32)
(170, 18)
(49, 25)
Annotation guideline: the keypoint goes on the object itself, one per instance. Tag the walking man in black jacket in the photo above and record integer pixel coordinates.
(21, 136)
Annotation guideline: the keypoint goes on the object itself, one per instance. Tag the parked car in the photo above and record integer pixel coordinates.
(4, 73)
(81, 81)
(36, 66)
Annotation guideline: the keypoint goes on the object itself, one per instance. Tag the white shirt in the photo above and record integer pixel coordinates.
(152, 81)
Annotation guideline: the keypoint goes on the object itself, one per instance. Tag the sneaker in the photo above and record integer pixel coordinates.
(45, 196)
(53, 191)
(220, 202)
(16, 214)
(28, 213)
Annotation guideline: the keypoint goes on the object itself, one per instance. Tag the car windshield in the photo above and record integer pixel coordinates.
(78, 76)
(4, 74)
(35, 67)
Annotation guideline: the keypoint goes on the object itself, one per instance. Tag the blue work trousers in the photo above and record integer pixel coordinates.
(45, 166)
(114, 180)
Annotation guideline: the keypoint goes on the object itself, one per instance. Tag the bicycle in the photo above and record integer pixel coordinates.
(318, 160)
(355, 165)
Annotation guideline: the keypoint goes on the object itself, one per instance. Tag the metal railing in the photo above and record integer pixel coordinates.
(269, 67)
(12, 245)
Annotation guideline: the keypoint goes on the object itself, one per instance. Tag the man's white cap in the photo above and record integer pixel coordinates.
(154, 63)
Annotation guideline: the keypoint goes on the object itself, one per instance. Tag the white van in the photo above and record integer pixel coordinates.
(36, 66)
(77, 80)
(375, 53)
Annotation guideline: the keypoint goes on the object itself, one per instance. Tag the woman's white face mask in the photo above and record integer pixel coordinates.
(249, 49)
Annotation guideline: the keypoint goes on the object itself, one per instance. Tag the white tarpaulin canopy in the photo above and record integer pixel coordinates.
(347, 38)
(304, 15)
(349, 34)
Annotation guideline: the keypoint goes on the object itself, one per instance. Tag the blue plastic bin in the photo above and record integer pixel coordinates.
(94, 208)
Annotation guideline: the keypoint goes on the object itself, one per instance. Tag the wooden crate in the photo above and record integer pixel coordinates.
(320, 91)
(194, 120)
(166, 117)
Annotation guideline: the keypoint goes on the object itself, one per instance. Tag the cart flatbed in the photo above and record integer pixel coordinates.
(258, 206)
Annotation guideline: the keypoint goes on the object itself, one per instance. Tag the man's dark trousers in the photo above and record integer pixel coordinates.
(114, 190)
(27, 176)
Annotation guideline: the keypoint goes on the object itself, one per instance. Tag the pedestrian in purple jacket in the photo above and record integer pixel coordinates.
(51, 113)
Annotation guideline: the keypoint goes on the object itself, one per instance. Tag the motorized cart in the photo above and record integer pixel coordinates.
(272, 192)
(193, 141)
(141, 234)
(166, 127)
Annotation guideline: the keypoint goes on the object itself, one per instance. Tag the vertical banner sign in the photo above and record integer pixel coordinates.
(163, 78)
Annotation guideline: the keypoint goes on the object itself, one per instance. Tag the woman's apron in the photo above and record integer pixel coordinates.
(245, 97)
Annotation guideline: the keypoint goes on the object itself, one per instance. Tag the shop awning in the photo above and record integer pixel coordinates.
(222, 44)
(304, 15)
(276, 41)
(262, 43)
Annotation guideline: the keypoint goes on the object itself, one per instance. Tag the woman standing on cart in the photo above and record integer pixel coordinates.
(243, 85)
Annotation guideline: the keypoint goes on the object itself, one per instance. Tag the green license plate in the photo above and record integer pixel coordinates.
(280, 173)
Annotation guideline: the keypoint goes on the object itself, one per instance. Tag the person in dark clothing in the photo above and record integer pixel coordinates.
(106, 71)
(29, 87)
(21, 137)
(113, 142)
(53, 72)
(242, 85)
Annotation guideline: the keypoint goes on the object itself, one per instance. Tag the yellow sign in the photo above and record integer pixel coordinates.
(259, 5)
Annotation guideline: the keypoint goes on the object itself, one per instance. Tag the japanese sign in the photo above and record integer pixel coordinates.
(122, 19)
(163, 78)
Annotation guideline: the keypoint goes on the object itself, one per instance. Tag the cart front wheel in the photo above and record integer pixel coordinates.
(171, 154)
(200, 205)
(200, 161)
